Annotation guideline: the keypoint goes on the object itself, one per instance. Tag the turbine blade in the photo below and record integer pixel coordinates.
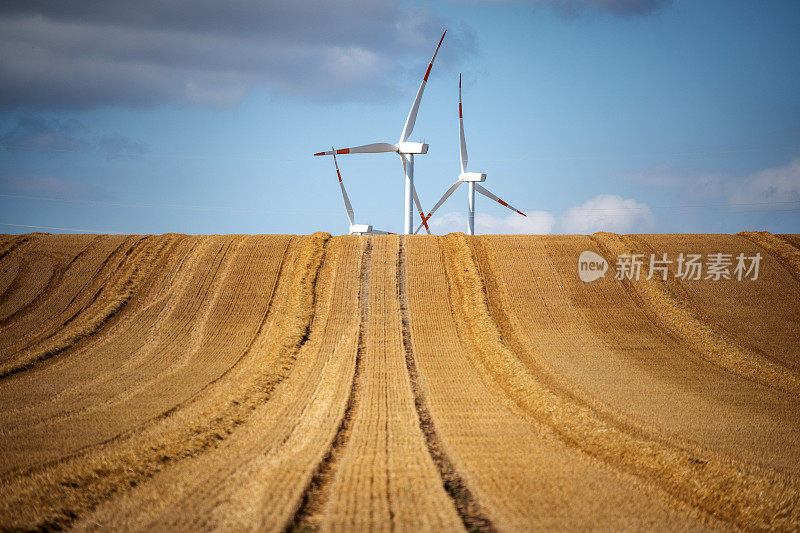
(464, 156)
(381, 232)
(444, 197)
(487, 194)
(412, 115)
(373, 148)
(419, 209)
(347, 206)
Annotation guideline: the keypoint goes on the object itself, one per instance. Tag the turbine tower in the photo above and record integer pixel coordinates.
(472, 178)
(406, 150)
(355, 229)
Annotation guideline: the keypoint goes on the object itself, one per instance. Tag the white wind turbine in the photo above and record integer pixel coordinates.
(406, 151)
(469, 177)
(355, 229)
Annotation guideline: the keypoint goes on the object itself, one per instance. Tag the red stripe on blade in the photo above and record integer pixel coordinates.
(343, 151)
(320, 153)
(339, 174)
(502, 203)
(442, 39)
(521, 213)
(460, 115)
(427, 72)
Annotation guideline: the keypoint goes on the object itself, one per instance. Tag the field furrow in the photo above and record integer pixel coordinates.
(55, 283)
(68, 384)
(10, 243)
(518, 470)
(19, 338)
(107, 302)
(9, 265)
(64, 295)
(292, 383)
(759, 316)
(64, 492)
(38, 263)
(740, 494)
(784, 248)
(384, 478)
(686, 322)
(599, 342)
(792, 239)
(197, 343)
(256, 477)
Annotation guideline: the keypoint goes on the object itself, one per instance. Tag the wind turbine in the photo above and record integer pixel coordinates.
(406, 150)
(355, 229)
(472, 178)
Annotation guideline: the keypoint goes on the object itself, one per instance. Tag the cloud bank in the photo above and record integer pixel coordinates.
(772, 187)
(39, 134)
(537, 222)
(84, 54)
(607, 212)
(621, 8)
(34, 133)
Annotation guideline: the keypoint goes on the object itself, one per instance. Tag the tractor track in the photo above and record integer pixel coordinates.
(425, 383)
(724, 489)
(56, 496)
(317, 492)
(467, 506)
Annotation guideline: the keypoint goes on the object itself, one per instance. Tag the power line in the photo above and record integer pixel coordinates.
(183, 207)
(56, 228)
(763, 205)
(565, 157)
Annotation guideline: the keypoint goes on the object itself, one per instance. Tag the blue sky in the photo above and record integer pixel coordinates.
(589, 115)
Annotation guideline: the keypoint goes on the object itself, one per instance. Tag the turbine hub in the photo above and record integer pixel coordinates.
(412, 148)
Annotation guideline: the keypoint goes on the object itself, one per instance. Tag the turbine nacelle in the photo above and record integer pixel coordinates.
(472, 176)
(403, 148)
(360, 229)
(411, 148)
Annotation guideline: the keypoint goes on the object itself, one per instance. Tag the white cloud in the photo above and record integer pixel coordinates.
(770, 188)
(777, 184)
(537, 222)
(622, 8)
(606, 212)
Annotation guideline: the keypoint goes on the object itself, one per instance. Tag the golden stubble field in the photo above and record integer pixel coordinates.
(281, 382)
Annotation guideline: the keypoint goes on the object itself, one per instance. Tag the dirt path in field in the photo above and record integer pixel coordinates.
(319, 491)
(473, 516)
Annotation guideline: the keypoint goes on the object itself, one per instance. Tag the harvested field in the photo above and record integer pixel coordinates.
(281, 382)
